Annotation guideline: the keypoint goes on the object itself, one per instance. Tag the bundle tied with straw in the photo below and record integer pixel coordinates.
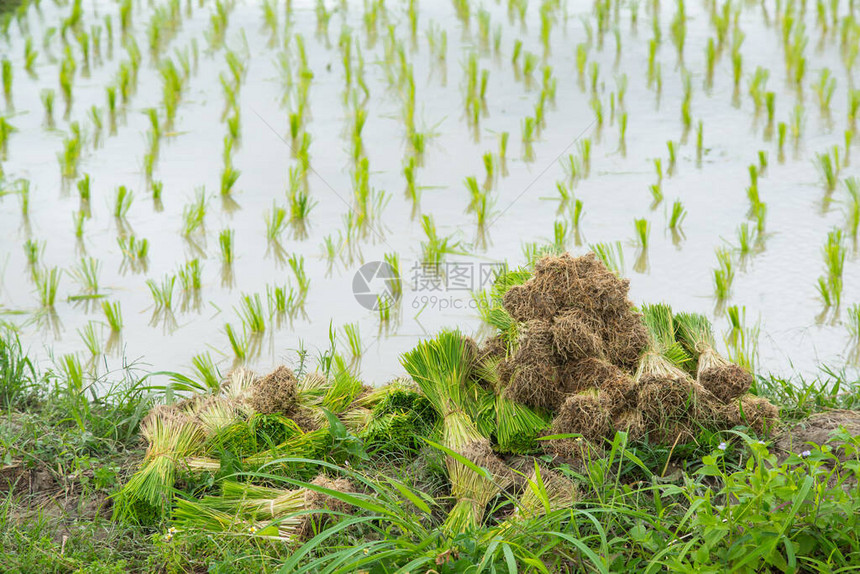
(191, 515)
(726, 380)
(516, 427)
(172, 439)
(671, 403)
(441, 367)
(545, 492)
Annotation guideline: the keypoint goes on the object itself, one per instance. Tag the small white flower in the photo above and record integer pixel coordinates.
(171, 530)
(722, 446)
(252, 529)
(805, 453)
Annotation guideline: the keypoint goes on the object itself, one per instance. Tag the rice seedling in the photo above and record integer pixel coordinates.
(576, 214)
(24, 194)
(240, 345)
(828, 166)
(824, 89)
(852, 186)
(86, 274)
(229, 176)
(162, 294)
(79, 218)
(190, 276)
(724, 274)
(122, 202)
(33, 250)
(611, 254)
(71, 155)
(622, 131)
(833, 252)
(642, 229)
(434, 249)
(73, 373)
(251, 313)
(853, 106)
(700, 137)
(560, 235)
(134, 250)
(581, 61)
(710, 60)
(90, 338)
(30, 55)
(797, 123)
(762, 160)
(489, 168)
(276, 222)
(7, 78)
(564, 192)
(670, 145)
(746, 236)
(781, 130)
(678, 214)
(47, 284)
(656, 194)
(585, 155)
(395, 281)
(597, 108)
(503, 146)
(770, 106)
(652, 59)
(297, 264)
(530, 62)
(194, 214)
(47, 97)
(225, 241)
(96, 119)
(353, 339)
(852, 320)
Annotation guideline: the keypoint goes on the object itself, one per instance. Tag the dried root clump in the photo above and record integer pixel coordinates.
(534, 374)
(481, 454)
(277, 392)
(727, 382)
(575, 337)
(583, 413)
(625, 338)
(596, 373)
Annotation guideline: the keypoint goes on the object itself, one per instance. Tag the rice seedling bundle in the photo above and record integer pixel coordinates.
(441, 367)
(171, 438)
(197, 516)
(721, 377)
(546, 491)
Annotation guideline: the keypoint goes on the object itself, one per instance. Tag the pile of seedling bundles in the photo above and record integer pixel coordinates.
(571, 346)
(570, 364)
(276, 426)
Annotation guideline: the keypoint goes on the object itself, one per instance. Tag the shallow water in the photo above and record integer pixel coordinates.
(777, 285)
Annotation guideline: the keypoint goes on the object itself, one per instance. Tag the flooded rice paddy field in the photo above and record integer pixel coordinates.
(266, 151)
